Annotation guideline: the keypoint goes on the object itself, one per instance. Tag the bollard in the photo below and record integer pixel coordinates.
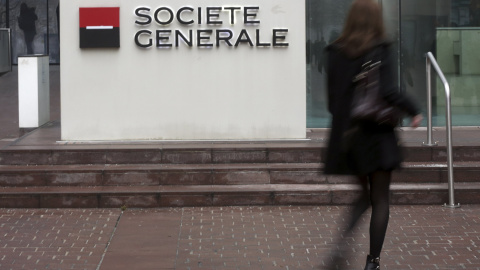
(33, 90)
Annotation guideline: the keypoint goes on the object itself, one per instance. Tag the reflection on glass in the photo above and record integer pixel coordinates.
(27, 27)
(3, 14)
(34, 27)
(324, 23)
(27, 23)
(450, 29)
(54, 31)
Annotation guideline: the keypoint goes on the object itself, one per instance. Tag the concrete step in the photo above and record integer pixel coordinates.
(181, 154)
(215, 174)
(222, 195)
(204, 154)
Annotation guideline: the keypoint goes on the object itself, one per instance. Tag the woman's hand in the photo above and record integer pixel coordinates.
(416, 121)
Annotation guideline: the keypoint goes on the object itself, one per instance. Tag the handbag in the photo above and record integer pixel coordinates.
(368, 103)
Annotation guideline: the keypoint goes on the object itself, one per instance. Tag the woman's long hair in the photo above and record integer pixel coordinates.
(363, 28)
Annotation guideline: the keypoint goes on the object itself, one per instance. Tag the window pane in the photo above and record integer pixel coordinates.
(458, 40)
(3, 13)
(450, 30)
(53, 31)
(324, 23)
(28, 22)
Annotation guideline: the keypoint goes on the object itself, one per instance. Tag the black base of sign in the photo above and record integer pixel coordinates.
(100, 38)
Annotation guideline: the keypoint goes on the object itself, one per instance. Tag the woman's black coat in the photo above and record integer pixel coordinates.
(360, 148)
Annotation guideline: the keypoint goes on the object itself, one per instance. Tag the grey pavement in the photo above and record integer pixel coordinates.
(273, 237)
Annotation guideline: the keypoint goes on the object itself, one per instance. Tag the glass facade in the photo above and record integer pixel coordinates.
(450, 29)
(324, 25)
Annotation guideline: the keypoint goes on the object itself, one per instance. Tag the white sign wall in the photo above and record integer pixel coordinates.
(251, 86)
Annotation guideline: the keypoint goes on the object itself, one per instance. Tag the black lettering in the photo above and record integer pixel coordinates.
(277, 37)
(224, 35)
(170, 12)
(258, 43)
(244, 39)
(137, 36)
(179, 17)
(200, 38)
(211, 17)
(199, 15)
(232, 13)
(246, 15)
(179, 35)
(146, 16)
(161, 38)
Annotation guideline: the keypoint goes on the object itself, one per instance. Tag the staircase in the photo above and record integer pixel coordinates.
(179, 174)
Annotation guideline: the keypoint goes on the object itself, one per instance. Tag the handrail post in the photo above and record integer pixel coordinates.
(451, 189)
(429, 105)
(431, 61)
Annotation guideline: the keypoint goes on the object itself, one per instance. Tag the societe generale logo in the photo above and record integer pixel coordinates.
(99, 27)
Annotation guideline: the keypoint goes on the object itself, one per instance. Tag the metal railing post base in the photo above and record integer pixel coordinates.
(451, 206)
(430, 144)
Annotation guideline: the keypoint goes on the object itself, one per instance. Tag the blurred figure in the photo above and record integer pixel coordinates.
(365, 149)
(26, 22)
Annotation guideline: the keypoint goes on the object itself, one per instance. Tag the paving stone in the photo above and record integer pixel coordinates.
(54, 238)
(145, 239)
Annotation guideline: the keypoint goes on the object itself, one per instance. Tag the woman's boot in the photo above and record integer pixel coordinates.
(372, 263)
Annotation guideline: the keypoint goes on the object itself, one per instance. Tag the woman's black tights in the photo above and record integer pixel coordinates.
(378, 195)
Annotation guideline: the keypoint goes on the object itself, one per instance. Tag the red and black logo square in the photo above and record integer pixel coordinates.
(100, 27)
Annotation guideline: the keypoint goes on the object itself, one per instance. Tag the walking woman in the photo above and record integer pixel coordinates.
(365, 149)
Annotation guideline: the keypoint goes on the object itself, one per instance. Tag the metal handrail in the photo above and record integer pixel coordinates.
(430, 60)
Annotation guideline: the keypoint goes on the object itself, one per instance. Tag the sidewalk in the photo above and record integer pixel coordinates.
(419, 237)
